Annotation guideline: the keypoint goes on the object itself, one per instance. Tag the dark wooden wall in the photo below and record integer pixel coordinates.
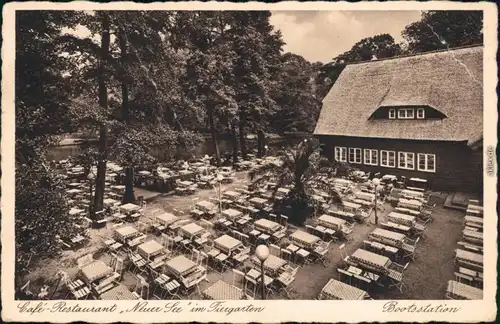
(458, 167)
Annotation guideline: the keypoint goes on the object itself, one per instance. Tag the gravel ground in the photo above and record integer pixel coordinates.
(426, 278)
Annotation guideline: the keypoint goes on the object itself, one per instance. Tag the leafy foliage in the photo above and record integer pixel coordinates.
(444, 29)
(301, 169)
(41, 213)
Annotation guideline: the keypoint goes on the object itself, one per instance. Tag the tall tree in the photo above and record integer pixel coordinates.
(444, 29)
(42, 98)
(257, 48)
(376, 47)
(295, 95)
(103, 103)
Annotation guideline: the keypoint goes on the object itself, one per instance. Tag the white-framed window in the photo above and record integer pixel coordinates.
(426, 162)
(406, 160)
(406, 113)
(355, 155)
(371, 157)
(340, 154)
(392, 113)
(420, 113)
(388, 159)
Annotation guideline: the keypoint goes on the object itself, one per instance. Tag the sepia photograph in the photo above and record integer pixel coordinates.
(251, 155)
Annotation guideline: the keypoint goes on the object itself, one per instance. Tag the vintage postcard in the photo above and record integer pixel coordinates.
(249, 162)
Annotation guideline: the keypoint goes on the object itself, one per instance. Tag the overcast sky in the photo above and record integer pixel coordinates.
(322, 35)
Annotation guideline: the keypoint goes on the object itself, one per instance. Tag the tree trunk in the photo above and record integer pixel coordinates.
(234, 139)
(260, 143)
(100, 182)
(242, 136)
(103, 132)
(210, 111)
(129, 196)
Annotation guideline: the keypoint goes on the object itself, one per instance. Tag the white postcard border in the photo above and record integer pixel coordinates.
(273, 311)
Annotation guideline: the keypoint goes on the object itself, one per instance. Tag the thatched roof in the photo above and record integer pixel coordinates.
(449, 81)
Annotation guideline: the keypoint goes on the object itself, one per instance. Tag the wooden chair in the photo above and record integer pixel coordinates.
(344, 276)
(409, 247)
(238, 273)
(275, 250)
(395, 275)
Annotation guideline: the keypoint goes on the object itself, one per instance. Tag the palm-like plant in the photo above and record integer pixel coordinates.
(302, 169)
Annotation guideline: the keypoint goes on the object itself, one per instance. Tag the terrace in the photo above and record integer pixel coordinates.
(201, 244)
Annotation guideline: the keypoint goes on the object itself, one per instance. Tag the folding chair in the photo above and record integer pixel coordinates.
(143, 287)
(409, 247)
(395, 275)
(274, 250)
(343, 253)
(345, 276)
(237, 273)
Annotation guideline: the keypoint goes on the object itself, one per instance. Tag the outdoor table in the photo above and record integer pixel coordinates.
(338, 290)
(414, 204)
(371, 260)
(77, 239)
(304, 238)
(221, 290)
(475, 207)
(351, 206)
(341, 213)
(166, 218)
(227, 243)
(265, 225)
(382, 247)
(412, 193)
(272, 263)
(474, 212)
(365, 196)
(129, 208)
(469, 257)
(473, 236)
(126, 232)
(73, 191)
(192, 229)
(231, 194)
(206, 206)
(180, 266)
(150, 249)
(259, 202)
(186, 183)
(76, 211)
(231, 213)
(401, 218)
(396, 226)
(108, 202)
(407, 211)
(95, 270)
(474, 219)
(331, 222)
(283, 191)
(389, 177)
(463, 291)
(119, 292)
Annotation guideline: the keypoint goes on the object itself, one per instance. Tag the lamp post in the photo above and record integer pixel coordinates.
(91, 178)
(262, 253)
(265, 150)
(376, 183)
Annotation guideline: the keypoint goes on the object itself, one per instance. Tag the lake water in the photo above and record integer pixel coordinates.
(225, 147)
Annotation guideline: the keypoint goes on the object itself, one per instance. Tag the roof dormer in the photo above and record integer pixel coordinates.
(407, 112)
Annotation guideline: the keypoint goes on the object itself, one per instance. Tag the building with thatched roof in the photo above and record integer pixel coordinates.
(414, 116)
